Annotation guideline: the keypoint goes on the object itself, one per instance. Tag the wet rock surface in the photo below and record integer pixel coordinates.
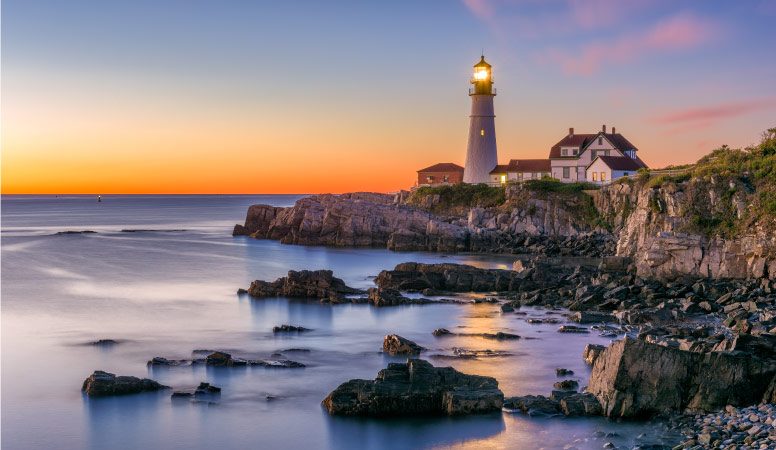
(104, 384)
(416, 388)
(223, 359)
(633, 378)
(289, 329)
(397, 345)
(305, 283)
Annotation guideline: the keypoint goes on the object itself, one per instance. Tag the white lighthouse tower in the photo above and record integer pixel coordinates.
(481, 154)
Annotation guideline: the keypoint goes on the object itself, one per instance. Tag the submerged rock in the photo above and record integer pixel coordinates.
(289, 329)
(103, 384)
(416, 388)
(397, 345)
(633, 378)
(415, 277)
(305, 283)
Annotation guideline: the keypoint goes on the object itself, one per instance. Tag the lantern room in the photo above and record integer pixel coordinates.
(482, 79)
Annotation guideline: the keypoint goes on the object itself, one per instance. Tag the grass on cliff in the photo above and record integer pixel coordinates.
(463, 194)
(744, 176)
(557, 186)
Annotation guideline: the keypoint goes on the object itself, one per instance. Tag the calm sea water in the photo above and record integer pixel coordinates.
(169, 288)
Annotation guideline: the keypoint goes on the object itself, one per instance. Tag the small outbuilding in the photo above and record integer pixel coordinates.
(442, 173)
(520, 169)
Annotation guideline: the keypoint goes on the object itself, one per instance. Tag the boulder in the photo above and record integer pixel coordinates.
(397, 345)
(592, 351)
(416, 388)
(416, 277)
(103, 384)
(305, 283)
(634, 378)
(289, 329)
(441, 332)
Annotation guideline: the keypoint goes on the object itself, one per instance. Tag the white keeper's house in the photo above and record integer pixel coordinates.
(597, 158)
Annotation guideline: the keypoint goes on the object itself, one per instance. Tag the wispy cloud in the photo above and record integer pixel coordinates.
(676, 33)
(700, 118)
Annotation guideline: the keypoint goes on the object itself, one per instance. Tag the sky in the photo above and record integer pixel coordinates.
(238, 96)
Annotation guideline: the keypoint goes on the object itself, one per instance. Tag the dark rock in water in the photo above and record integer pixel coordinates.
(583, 317)
(61, 233)
(241, 291)
(290, 329)
(573, 329)
(416, 388)
(392, 297)
(566, 385)
(206, 388)
(633, 378)
(181, 394)
(397, 345)
(102, 384)
(584, 404)
(507, 308)
(592, 351)
(219, 359)
(567, 403)
(105, 342)
(240, 230)
(500, 336)
(563, 372)
(159, 361)
(283, 363)
(533, 405)
(306, 283)
(416, 277)
(441, 332)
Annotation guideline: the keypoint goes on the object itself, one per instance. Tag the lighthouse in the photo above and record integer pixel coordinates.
(481, 154)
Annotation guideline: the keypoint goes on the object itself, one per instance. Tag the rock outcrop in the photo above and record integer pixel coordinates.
(416, 388)
(397, 345)
(416, 277)
(633, 378)
(363, 219)
(656, 230)
(103, 384)
(305, 283)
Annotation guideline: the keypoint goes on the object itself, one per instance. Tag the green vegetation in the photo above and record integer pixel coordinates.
(553, 185)
(731, 177)
(463, 194)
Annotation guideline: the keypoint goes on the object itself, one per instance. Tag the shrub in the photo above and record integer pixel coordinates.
(464, 194)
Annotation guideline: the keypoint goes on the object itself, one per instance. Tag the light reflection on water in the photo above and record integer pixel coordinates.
(169, 293)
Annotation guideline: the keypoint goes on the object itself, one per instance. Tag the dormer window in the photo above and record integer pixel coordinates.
(600, 140)
(574, 152)
(564, 152)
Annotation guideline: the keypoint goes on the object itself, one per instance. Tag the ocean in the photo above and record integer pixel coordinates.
(160, 274)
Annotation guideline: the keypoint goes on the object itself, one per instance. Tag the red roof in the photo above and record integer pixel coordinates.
(621, 162)
(443, 167)
(582, 140)
(523, 165)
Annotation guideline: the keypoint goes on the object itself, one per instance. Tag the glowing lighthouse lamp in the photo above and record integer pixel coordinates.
(481, 153)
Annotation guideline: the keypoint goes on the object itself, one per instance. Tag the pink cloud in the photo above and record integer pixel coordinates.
(708, 114)
(673, 34)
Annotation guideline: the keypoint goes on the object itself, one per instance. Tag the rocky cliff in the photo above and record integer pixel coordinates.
(525, 222)
(699, 227)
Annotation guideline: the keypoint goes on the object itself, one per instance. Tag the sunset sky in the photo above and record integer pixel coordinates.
(335, 96)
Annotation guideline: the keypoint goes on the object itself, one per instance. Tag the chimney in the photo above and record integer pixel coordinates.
(603, 128)
(614, 130)
(571, 132)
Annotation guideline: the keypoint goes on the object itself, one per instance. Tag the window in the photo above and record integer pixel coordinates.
(482, 132)
(574, 152)
(603, 176)
(595, 174)
(564, 152)
(520, 175)
(429, 178)
(503, 179)
(593, 154)
(566, 173)
(625, 174)
(534, 175)
(445, 178)
(600, 140)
